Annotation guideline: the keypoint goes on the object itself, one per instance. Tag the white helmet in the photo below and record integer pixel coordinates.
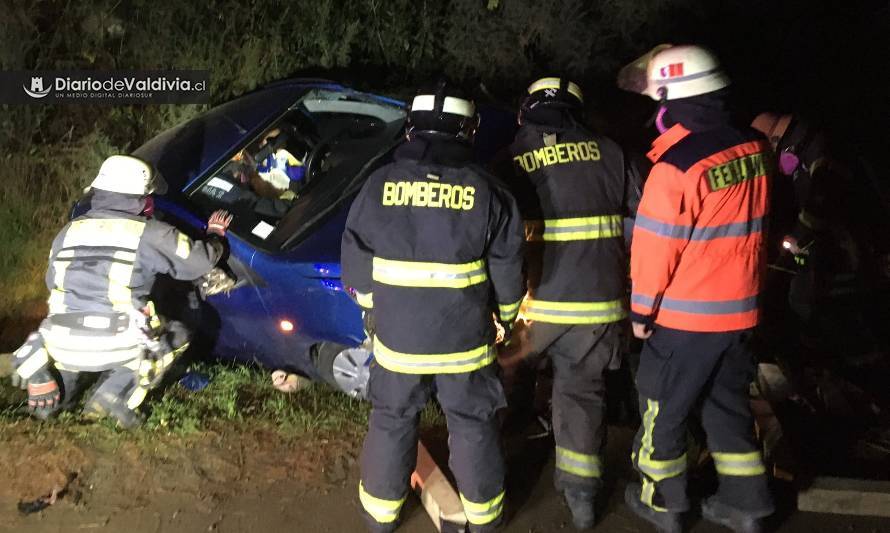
(128, 175)
(673, 72)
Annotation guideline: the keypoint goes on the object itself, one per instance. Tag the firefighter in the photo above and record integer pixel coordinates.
(102, 267)
(432, 247)
(697, 263)
(574, 189)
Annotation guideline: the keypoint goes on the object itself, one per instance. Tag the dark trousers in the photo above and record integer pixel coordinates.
(706, 374)
(470, 401)
(580, 354)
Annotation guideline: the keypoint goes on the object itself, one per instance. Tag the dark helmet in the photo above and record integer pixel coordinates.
(442, 113)
(555, 94)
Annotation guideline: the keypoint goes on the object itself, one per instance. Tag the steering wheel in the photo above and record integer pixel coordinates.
(315, 158)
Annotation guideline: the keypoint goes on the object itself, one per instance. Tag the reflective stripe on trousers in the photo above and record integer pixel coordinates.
(579, 464)
(574, 312)
(435, 363)
(738, 464)
(484, 512)
(654, 470)
(420, 274)
(383, 511)
(575, 229)
(149, 373)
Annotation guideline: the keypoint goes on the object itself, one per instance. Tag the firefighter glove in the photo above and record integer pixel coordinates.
(44, 395)
(219, 222)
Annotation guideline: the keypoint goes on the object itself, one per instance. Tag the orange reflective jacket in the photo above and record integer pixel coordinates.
(698, 254)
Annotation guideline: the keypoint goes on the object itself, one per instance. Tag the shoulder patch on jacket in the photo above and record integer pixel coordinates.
(700, 145)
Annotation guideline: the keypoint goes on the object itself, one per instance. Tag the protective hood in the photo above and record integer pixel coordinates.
(111, 201)
(699, 113)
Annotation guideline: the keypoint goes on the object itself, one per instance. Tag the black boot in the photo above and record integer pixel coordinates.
(717, 512)
(580, 502)
(125, 417)
(664, 521)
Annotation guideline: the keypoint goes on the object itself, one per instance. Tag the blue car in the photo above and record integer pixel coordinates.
(288, 308)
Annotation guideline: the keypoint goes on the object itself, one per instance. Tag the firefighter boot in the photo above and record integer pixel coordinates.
(125, 417)
(580, 502)
(717, 512)
(664, 521)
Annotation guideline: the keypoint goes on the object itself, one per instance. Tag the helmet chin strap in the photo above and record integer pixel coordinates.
(659, 119)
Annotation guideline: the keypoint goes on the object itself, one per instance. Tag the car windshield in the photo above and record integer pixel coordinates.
(186, 151)
(297, 168)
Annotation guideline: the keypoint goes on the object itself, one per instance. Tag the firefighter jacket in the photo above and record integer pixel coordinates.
(101, 269)
(698, 255)
(433, 244)
(574, 190)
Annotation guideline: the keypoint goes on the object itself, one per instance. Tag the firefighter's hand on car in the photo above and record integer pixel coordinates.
(219, 222)
(642, 331)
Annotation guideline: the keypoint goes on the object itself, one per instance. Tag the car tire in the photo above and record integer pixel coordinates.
(342, 367)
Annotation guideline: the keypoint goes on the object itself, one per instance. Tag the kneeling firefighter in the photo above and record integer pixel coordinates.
(432, 247)
(102, 267)
(574, 189)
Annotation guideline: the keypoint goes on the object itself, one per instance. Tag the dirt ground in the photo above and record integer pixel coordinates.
(257, 481)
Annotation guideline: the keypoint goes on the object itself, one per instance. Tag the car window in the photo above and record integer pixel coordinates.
(291, 174)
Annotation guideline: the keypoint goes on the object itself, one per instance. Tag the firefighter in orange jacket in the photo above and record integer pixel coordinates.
(697, 262)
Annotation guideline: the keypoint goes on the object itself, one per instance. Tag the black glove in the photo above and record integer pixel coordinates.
(44, 396)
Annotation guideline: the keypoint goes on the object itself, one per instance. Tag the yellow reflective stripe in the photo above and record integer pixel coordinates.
(508, 312)
(433, 363)
(738, 464)
(136, 399)
(647, 494)
(644, 461)
(365, 300)
(579, 464)
(111, 232)
(57, 294)
(57, 302)
(32, 363)
(149, 370)
(574, 312)
(85, 361)
(660, 470)
(575, 229)
(383, 511)
(485, 512)
(553, 83)
(420, 274)
(120, 276)
(183, 245)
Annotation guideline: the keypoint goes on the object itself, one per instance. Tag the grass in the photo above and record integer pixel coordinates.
(238, 397)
